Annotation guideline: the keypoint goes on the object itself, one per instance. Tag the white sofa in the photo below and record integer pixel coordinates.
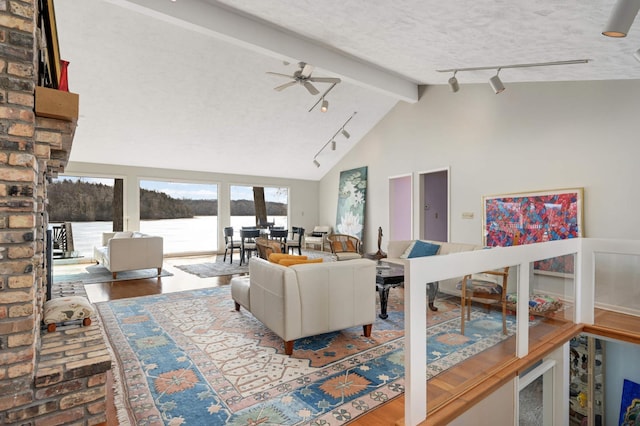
(127, 251)
(396, 249)
(308, 299)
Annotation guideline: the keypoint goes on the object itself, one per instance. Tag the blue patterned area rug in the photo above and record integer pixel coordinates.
(189, 358)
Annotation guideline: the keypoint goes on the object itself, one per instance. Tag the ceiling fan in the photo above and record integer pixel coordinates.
(303, 77)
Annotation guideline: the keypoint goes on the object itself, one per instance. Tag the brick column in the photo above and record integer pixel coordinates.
(20, 249)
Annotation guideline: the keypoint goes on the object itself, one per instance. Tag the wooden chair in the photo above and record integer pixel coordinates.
(248, 243)
(317, 237)
(297, 234)
(266, 246)
(345, 247)
(489, 287)
(230, 245)
(279, 235)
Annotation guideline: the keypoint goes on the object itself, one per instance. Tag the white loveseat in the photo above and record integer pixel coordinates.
(308, 299)
(396, 249)
(127, 251)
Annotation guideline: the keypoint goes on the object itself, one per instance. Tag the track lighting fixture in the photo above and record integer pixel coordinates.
(453, 83)
(622, 16)
(496, 83)
(637, 55)
(325, 105)
(332, 140)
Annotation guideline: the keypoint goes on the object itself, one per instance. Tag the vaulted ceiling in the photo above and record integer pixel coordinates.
(184, 85)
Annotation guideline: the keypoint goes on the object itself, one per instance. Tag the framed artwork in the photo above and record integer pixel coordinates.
(533, 217)
(629, 404)
(352, 191)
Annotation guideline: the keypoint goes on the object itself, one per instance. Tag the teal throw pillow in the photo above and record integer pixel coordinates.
(422, 248)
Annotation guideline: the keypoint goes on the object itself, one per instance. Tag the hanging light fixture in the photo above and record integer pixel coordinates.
(453, 83)
(622, 16)
(496, 83)
(316, 162)
(325, 105)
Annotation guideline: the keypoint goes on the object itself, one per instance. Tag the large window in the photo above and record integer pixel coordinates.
(243, 209)
(184, 214)
(87, 204)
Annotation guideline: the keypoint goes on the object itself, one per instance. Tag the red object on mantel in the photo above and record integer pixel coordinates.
(64, 81)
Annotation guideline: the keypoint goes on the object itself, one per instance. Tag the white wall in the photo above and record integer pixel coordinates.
(303, 201)
(533, 136)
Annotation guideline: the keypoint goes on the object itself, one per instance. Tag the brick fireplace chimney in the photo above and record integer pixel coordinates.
(37, 386)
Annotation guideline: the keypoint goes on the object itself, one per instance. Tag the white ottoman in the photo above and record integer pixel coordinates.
(240, 292)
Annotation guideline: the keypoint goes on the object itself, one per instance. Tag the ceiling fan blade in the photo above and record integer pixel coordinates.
(284, 86)
(279, 74)
(306, 71)
(311, 88)
(324, 79)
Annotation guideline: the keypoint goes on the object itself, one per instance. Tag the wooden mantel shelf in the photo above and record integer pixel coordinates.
(58, 104)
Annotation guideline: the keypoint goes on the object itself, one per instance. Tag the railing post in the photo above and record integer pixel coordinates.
(522, 316)
(415, 350)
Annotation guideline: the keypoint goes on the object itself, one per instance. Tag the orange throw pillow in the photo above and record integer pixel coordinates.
(289, 262)
(277, 257)
(350, 246)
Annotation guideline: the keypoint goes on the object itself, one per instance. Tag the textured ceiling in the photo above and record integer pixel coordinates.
(183, 84)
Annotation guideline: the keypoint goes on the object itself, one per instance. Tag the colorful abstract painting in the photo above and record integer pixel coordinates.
(528, 218)
(352, 191)
(630, 404)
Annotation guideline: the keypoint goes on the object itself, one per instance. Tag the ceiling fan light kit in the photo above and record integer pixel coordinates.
(303, 77)
(332, 140)
(495, 82)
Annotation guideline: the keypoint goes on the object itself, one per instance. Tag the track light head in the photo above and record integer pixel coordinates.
(333, 145)
(345, 134)
(496, 83)
(637, 55)
(622, 16)
(325, 105)
(453, 83)
(316, 162)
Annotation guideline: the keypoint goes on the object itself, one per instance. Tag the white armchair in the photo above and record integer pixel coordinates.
(318, 237)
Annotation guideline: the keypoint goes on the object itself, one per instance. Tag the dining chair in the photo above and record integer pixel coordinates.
(297, 234)
(230, 245)
(248, 243)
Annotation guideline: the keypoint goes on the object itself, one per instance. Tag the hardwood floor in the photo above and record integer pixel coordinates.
(448, 394)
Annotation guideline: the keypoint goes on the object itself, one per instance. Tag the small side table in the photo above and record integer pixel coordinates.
(387, 276)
